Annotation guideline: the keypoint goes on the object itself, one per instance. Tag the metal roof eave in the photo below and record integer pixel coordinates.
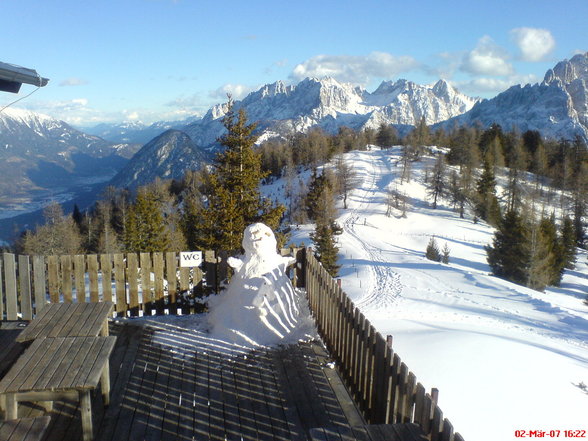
(18, 74)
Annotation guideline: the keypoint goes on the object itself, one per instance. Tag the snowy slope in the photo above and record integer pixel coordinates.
(504, 357)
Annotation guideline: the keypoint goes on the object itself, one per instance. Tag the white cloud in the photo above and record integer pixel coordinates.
(73, 82)
(237, 91)
(484, 86)
(356, 69)
(487, 59)
(534, 44)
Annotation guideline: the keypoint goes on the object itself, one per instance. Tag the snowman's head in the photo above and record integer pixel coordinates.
(259, 239)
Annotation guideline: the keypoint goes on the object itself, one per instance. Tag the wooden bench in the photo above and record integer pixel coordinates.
(25, 429)
(69, 320)
(60, 368)
(10, 349)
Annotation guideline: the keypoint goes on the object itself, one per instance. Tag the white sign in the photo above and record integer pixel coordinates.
(190, 258)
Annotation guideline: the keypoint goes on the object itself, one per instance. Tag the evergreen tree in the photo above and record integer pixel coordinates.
(509, 254)
(387, 136)
(317, 187)
(233, 199)
(568, 243)
(445, 256)
(432, 252)
(541, 258)
(486, 202)
(145, 225)
(323, 237)
(437, 186)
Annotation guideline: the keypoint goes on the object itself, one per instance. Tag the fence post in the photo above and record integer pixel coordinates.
(39, 283)
(10, 279)
(24, 278)
(1, 291)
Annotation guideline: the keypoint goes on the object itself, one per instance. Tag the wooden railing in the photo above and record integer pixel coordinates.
(138, 284)
(381, 384)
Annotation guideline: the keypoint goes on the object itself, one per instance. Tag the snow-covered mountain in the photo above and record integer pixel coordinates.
(134, 131)
(557, 107)
(281, 109)
(167, 157)
(39, 153)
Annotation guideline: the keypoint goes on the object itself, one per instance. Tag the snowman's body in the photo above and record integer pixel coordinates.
(260, 305)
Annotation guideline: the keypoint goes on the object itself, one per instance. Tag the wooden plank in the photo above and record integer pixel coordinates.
(447, 434)
(119, 281)
(171, 266)
(379, 400)
(39, 283)
(106, 270)
(79, 262)
(11, 290)
(437, 424)
(216, 418)
(24, 429)
(209, 266)
(249, 401)
(419, 408)
(389, 389)
(231, 401)
(24, 278)
(53, 278)
(66, 278)
(410, 398)
(1, 289)
(185, 287)
(158, 270)
(186, 387)
(146, 293)
(286, 424)
(92, 260)
(402, 393)
(133, 278)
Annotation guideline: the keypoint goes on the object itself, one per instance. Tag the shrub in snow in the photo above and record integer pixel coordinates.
(433, 252)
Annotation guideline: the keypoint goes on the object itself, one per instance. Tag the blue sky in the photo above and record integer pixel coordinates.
(147, 60)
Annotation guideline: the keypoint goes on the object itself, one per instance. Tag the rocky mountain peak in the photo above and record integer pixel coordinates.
(568, 71)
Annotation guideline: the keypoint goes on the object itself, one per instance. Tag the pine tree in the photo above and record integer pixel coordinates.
(486, 202)
(445, 251)
(509, 254)
(386, 135)
(233, 198)
(432, 252)
(568, 243)
(323, 237)
(437, 186)
(145, 229)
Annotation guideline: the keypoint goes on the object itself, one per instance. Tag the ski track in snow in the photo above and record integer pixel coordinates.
(385, 285)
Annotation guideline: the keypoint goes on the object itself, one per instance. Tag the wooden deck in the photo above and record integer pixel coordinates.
(171, 383)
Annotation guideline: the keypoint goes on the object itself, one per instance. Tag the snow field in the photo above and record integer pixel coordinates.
(503, 356)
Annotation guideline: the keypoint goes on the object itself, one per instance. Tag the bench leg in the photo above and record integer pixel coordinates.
(86, 411)
(11, 407)
(105, 383)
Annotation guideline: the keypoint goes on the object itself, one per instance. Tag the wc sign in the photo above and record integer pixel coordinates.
(189, 259)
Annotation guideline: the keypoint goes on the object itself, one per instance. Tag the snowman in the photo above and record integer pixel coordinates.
(260, 306)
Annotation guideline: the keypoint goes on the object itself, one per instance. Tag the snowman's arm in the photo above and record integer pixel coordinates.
(235, 263)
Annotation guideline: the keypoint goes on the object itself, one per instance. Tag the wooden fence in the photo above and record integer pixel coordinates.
(380, 383)
(138, 284)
